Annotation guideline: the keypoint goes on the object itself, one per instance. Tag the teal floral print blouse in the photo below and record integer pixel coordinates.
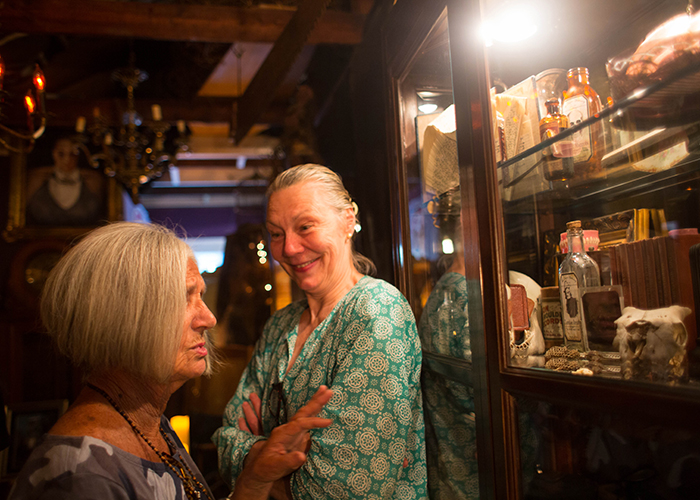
(450, 428)
(366, 350)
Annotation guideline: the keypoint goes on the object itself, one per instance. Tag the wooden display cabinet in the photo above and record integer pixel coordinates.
(622, 432)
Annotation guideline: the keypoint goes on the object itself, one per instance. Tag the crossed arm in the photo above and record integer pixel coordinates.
(283, 452)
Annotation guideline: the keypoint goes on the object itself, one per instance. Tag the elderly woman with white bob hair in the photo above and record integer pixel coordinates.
(125, 305)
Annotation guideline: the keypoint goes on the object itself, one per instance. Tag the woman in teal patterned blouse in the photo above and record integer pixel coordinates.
(450, 428)
(352, 333)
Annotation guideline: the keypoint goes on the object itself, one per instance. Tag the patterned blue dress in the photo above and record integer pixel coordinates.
(366, 350)
(450, 430)
(86, 468)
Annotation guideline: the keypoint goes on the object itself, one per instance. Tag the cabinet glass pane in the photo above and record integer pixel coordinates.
(436, 269)
(596, 118)
(575, 454)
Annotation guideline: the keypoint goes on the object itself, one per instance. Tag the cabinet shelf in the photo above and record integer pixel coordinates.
(635, 97)
(627, 182)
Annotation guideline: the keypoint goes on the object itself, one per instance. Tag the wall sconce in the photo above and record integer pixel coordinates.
(35, 106)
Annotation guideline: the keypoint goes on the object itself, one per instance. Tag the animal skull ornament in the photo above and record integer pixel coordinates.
(652, 344)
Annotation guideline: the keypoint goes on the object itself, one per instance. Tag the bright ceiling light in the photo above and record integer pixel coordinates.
(448, 246)
(428, 108)
(512, 24)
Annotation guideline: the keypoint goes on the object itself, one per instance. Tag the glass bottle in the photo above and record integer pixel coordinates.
(580, 103)
(558, 161)
(576, 272)
(450, 324)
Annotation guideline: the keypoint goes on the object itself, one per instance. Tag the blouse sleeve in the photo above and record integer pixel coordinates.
(375, 447)
(232, 443)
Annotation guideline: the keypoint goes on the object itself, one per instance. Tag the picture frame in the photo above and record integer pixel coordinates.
(27, 422)
(601, 305)
(28, 174)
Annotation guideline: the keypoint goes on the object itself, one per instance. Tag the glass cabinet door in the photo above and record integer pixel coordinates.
(433, 262)
(596, 115)
(595, 128)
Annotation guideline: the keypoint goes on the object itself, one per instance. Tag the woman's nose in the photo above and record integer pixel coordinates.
(206, 317)
(292, 245)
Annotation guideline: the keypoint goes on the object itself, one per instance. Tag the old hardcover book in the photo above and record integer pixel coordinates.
(681, 241)
(638, 281)
(672, 270)
(663, 276)
(652, 274)
(625, 274)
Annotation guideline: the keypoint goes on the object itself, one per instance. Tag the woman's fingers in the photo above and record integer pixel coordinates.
(315, 404)
(304, 424)
(257, 405)
(242, 425)
(252, 419)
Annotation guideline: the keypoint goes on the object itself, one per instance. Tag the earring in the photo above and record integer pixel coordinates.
(350, 234)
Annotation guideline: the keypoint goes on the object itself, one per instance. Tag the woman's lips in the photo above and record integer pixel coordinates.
(305, 266)
(200, 350)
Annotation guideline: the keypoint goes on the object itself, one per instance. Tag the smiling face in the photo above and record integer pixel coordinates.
(191, 356)
(310, 239)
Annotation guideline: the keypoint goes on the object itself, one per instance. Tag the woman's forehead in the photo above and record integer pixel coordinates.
(297, 200)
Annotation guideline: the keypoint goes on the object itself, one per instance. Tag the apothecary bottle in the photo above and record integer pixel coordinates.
(550, 305)
(558, 160)
(450, 324)
(580, 103)
(577, 272)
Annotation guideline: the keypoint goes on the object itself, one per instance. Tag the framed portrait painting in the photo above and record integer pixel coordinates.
(55, 193)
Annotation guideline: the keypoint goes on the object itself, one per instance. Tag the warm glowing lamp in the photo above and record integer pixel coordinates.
(39, 81)
(156, 112)
(181, 426)
(40, 84)
(428, 108)
(29, 103)
(512, 24)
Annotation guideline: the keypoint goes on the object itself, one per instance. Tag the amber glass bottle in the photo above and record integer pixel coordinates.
(558, 161)
(580, 103)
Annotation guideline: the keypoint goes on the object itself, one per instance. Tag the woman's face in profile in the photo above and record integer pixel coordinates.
(308, 238)
(191, 358)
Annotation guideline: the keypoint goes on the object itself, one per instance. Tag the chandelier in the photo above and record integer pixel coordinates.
(35, 106)
(135, 151)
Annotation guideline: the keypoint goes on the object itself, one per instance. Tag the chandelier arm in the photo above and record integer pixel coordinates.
(14, 149)
(26, 137)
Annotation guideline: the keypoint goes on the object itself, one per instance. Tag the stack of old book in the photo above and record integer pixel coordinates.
(655, 272)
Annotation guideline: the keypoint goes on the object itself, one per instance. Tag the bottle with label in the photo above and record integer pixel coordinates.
(550, 305)
(580, 103)
(450, 325)
(558, 161)
(576, 272)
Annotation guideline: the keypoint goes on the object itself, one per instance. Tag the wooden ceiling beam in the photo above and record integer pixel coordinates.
(173, 22)
(64, 112)
(262, 88)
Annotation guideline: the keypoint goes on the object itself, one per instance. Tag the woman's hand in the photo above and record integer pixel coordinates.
(285, 450)
(252, 421)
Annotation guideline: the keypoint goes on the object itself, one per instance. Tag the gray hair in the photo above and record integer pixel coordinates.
(334, 194)
(117, 300)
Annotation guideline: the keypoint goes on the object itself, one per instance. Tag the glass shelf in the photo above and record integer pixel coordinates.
(635, 97)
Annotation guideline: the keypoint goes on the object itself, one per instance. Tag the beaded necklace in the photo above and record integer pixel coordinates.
(192, 486)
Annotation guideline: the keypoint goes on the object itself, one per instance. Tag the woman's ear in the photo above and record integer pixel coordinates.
(349, 218)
